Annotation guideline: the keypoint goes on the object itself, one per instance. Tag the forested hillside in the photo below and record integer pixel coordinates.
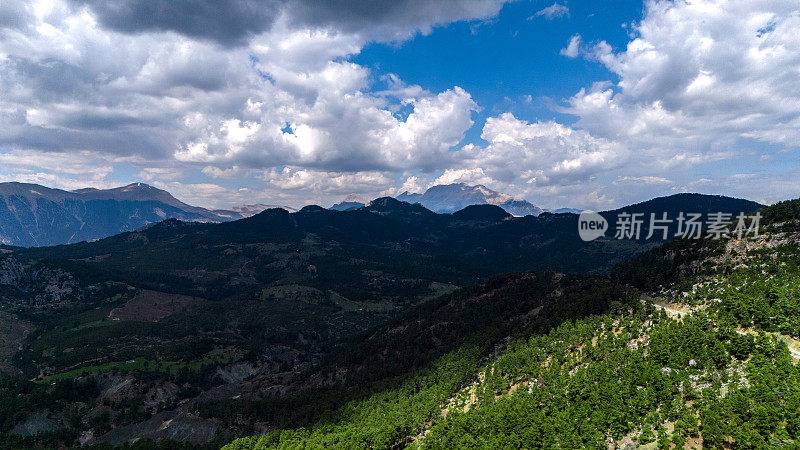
(703, 354)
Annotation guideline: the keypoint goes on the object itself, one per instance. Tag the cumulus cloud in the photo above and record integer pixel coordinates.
(412, 185)
(468, 176)
(299, 186)
(700, 76)
(546, 162)
(152, 92)
(543, 153)
(342, 129)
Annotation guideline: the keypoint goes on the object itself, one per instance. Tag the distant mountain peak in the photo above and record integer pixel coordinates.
(251, 210)
(312, 208)
(139, 186)
(352, 201)
(386, 203)
(449, 198)
(355, 198)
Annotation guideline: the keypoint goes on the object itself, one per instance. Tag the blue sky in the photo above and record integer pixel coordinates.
(581, 103)
(515, 56)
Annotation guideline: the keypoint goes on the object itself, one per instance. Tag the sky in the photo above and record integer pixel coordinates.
(581, 104)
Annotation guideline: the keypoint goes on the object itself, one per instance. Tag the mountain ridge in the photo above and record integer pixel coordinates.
(35, 215)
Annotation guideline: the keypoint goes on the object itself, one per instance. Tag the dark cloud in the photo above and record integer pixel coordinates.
(389, 19)
(47, 80)
(233, 22)
(226, 22)
(152, 145)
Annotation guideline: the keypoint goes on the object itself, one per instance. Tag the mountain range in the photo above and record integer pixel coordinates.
(33, 215)
(691, 345)
(449, 198)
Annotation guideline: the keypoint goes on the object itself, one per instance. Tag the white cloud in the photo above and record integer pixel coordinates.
(468, 176)
(58, 170)
(326, 183)
(205, 194)
(642, 180)
(700, 76)
(554, 11)
(342, 129)
(572, 49)
(700, 81)
(69, 84)
(161, 173)
(542, 152)
(412, 185)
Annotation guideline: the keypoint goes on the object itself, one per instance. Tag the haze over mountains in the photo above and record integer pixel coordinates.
(32, 215)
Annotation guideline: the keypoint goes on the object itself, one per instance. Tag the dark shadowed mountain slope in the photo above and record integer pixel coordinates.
(691, 203)
(482, 213)
(389, 240)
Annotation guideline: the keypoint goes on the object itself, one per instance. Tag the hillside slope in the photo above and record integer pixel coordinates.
(704, 357)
